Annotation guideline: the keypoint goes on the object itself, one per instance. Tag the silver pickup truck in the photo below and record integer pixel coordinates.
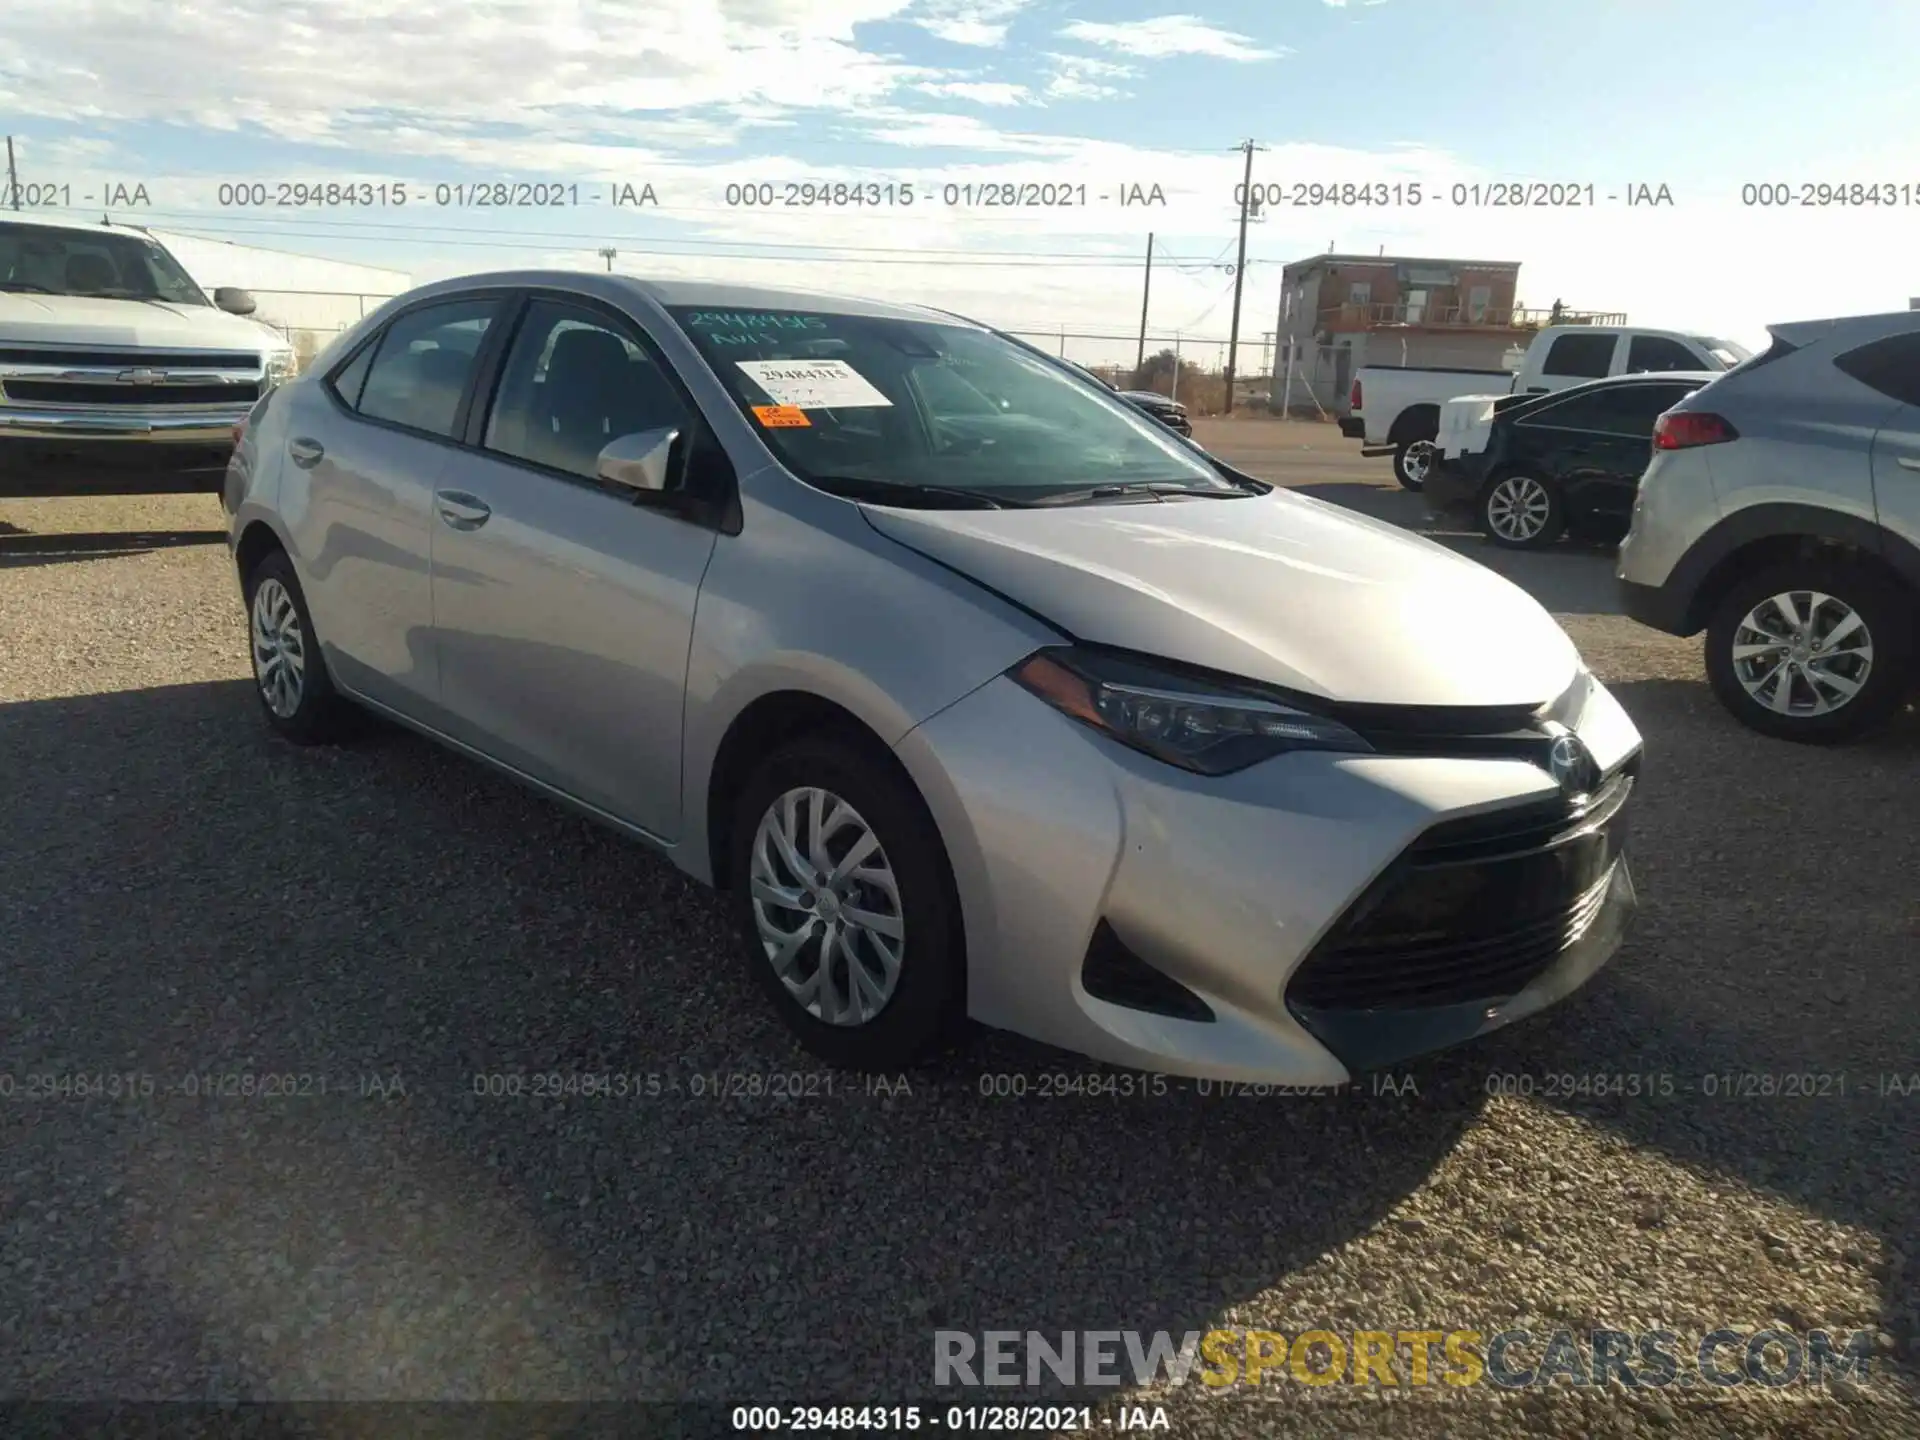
(118, 374)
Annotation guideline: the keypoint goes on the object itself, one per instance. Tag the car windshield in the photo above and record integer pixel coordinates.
(1725, 351)
(889, 402)
(48, 260)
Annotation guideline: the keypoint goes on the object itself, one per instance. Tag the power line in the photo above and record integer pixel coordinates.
(1069, 262)
(1005, 259)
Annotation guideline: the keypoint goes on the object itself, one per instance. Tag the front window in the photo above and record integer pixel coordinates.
(1725, 351)
(866, 401)
(48, 260)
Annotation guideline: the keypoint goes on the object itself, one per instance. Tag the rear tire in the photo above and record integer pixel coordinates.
(1814, 651)
(831, 841)
(1413, 461)
(1518, 511)
(289, 672)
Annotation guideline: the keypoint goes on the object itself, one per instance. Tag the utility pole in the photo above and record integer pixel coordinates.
(13, 176)
(1146, 290)
(1240, 269)
(607, 252)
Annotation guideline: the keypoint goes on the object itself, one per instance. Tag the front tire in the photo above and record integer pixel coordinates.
(846, 903)
(1413, 462)
(289, 673)
(1517, 511)
(1811, 651)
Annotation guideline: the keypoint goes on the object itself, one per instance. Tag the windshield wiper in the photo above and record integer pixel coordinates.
(119, 294)
(883, 492)
(17, 285)
(1154, 489)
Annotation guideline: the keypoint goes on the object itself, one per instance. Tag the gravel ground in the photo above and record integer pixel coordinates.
(182, 896)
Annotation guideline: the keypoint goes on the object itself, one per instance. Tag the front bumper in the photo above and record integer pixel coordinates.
(47, 451)
(1660, 607)
(1063, 843)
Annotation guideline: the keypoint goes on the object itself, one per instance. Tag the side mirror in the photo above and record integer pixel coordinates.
(234, 300)
(641, 461)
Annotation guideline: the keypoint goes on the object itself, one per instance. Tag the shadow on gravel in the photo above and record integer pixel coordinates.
(195, 899)
(1774, 952)
(19, 548)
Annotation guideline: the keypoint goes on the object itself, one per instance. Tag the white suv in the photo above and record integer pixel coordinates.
(117, 374)
(1781, 515)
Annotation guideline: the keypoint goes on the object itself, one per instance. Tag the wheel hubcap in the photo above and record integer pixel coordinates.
(1517, 508)
(279, 648)
(826, 906)
(1418, 460)
(1802, 653)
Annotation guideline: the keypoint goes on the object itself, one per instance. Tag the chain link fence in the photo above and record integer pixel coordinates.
(310, 319)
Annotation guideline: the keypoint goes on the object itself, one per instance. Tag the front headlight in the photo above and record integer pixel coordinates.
(279, 367)
(1200, 726)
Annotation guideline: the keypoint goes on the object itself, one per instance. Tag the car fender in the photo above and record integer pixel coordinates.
(1697, 576)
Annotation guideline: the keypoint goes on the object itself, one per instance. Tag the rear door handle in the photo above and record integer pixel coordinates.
(304, 452)
(461, 510)
(1910, 462)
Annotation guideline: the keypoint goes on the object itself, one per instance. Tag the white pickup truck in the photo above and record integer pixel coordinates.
(1396, 408)
(118, 374)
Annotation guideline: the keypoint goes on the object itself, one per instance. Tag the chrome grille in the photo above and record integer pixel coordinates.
(74, 378)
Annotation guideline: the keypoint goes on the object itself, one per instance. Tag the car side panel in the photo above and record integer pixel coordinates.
(1799, 443)
(1896, 475)
(356, 524)
(809, 597)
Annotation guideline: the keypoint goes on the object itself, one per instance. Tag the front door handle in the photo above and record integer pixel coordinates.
(304, 452)
(461, 510)
(1910, 462)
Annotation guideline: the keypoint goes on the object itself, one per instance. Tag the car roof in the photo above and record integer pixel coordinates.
(1849, 329)
(697, 293)
(1642, 377)
(1699, 379)
(54, 222)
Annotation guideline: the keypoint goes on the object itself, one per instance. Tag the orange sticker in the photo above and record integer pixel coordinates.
(781, 417)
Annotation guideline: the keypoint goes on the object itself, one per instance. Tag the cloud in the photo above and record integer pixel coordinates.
(981, 92)
(375, 67)
(981, 23)
(1167, 35)
(1081, 77)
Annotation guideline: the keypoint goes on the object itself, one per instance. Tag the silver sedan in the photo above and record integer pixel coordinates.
(978, 691)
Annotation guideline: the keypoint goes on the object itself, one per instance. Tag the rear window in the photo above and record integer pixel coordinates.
(422, 366)
(1611, 409)
(1890, 365)
(1656, 352)
(1588, 356)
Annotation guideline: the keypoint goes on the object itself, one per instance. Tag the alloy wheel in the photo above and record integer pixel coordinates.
(826, 906)
(1802, 653)
(1518, 508)
(1418, 461)
(279, 648)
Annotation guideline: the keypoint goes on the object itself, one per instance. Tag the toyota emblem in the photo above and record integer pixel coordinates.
(1570, 765)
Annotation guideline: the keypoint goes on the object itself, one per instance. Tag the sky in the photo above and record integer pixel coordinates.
(713, 103)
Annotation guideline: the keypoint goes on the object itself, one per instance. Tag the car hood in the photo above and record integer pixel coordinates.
(1277, 588)
(1150, 397)
(128, 324)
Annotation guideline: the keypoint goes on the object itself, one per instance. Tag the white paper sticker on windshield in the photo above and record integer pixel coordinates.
(814, 384)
